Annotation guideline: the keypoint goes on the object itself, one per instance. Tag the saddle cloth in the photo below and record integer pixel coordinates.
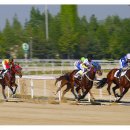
(122, 73)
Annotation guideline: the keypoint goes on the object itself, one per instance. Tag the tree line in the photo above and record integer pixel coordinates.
(70, 36)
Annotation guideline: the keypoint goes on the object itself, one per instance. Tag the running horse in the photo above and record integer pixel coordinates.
(9, 79)
(122, 83)
(65, 81)
(89, 77)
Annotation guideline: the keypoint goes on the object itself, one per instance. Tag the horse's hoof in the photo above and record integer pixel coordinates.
(13, 96)
(117, 101)
(92, 99)
(117, 95)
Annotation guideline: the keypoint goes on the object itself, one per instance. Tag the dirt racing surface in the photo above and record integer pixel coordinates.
(40, 112)
(29, 113)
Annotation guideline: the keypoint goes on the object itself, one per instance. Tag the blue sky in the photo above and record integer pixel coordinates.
(100, 11)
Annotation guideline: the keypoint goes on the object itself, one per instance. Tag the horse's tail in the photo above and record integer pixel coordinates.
(101, 83)
(65, 77)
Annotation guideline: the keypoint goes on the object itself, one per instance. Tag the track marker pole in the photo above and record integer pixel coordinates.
(59, 93)
(32, 91)
(19, 86)
(100, 93)
(44, 89)
(88, 95)
(8, 92)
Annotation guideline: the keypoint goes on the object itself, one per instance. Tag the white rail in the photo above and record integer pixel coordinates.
(45, 78)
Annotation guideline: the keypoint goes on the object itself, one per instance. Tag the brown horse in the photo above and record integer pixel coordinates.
(65, 81)
(89, 77)
(123, 83)
(9, 79)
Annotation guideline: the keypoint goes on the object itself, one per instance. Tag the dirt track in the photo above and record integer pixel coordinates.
(44, 113)
(23, 113)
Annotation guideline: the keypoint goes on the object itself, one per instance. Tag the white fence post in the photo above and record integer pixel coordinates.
(44, 89)
(19, 86)
(88, 95)
(59, 93)
(31, 85)
(100, 93)
(8, 91)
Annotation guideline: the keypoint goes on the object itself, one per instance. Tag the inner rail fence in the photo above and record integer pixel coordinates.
(44, 86)
(39, 77)
(56, 66)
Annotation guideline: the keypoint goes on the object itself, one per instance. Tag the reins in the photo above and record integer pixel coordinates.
(127, 76)
(14, 70)
(88, 76)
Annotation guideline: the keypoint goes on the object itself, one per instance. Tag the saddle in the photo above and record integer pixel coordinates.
(122, 73)
(3, 72)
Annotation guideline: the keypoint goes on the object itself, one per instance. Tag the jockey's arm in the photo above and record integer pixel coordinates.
(85, 66)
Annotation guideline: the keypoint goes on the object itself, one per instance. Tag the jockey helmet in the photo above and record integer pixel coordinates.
(90, 56)
(82, 59)
(128, 56)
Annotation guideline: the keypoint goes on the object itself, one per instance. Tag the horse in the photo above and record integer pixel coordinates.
(9, 79)
(122, 83)
(88, 78)
(65, 81)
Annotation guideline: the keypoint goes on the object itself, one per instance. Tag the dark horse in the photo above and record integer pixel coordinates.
(65, 81)
(123, 83)
(89, 77)
(9, 79)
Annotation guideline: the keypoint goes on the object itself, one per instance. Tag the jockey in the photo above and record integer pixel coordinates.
(6, 63)
(78, 63)
(123, 63)
(83, 66)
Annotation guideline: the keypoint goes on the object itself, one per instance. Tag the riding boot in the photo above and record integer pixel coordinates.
(78, 75)
(119, 73)
(1, 74)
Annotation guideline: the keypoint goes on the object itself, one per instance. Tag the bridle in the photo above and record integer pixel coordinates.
(15, 68)
(95, 70)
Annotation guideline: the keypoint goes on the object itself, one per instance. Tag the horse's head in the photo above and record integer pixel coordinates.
(17, 70)
(97, 68)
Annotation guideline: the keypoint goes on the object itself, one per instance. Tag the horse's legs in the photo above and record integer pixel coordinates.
(124, 92)
(91, 95)
(84, 94)
(78, 91)
(16, 86)
(72, 90)
(3, 92)
(61, 85)
(11, 89)
(108, 89)
(114, 91)
(65, 91)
